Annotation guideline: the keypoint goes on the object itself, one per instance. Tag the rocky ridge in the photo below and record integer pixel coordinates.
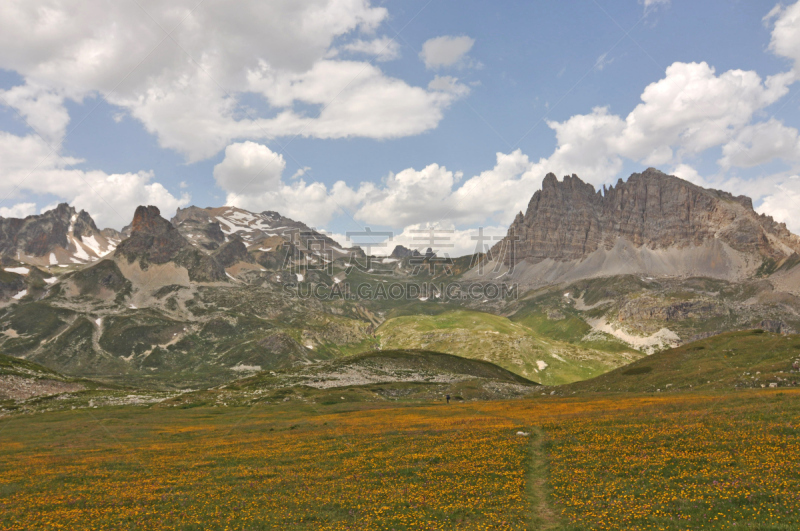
(154, 240)
(62, 236)
(653, 223)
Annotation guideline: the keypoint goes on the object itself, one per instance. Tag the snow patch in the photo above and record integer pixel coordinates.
(93, 244)
(80, 253)
(541, 364)
(21, 294)
(299, 277)
(18, 270)
(53, 259)
(51, 280)
(99, 321)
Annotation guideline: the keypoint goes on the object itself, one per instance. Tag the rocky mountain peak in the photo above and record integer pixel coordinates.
(154, 240)
(148, 219)
(569, 220)
(59, 236)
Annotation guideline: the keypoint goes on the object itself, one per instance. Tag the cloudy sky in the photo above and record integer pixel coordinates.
(391, 115)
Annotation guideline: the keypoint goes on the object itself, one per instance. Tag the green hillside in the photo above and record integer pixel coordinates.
(501, 341)
(748, 359)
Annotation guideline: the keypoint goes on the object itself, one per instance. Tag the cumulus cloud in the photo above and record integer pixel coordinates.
(445, 51)
(185, 87)
(444, 239)
(252, 176)
(785, 39)
(28, 164)
(42, 109)
(20, 210)
(762, 142)
(693, 109)
(782, 203)
(249, 167)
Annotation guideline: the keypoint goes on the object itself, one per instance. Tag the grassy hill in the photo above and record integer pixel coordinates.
(391, 374)
(22, 380)
(501, 341)
(747, 359)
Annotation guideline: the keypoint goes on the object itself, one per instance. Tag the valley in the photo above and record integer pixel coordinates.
(234, 348)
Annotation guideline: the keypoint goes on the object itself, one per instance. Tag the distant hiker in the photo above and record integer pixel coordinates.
(448, 398)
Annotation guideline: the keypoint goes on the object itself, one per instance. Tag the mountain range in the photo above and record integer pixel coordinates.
(602, 278)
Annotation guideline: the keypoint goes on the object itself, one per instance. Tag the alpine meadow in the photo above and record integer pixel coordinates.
(361, 264)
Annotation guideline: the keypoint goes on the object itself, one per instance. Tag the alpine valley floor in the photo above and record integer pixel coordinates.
(704, 436)
(683, 460)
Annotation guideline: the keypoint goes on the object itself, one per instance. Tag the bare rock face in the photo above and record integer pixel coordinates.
(200, 227)
(64, 233)
(401, 252)
(233, 252)
(154, 240)
(568, 220)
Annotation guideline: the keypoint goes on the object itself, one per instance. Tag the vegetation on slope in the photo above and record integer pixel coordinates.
(499, 340)
(752, 358)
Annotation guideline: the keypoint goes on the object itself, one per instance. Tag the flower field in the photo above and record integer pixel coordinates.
(687, 461)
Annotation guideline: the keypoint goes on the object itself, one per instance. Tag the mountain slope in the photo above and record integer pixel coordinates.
(508, 344)
(211, 227)
(747, 359)
(21, 380)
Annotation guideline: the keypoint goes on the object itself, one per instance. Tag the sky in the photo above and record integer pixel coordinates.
(397, 117)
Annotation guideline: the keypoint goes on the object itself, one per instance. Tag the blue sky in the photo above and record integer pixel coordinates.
(393, 115)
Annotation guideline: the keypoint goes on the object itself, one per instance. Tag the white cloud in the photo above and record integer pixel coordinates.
(185, 92)
(410, 196)
(43, 110)
(444, 238)
(251, 174)
(445, 51)
(20, 210)
(783, 203)
(762, 142)
(249, 168)
(785, 40)
(448, 84)
(28, 164)
(112, 199)
(383, 48)
(692, 109)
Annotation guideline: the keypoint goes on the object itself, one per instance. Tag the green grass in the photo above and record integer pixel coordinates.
(752, 358)
(499, 340)
(674, 462)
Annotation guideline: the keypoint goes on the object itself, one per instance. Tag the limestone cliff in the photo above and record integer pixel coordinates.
(569, 220)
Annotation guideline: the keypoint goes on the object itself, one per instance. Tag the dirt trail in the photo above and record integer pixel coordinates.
(542, 515)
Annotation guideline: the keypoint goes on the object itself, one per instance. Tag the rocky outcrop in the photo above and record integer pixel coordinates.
(233, 252)
(199, 226)
(569, 220)
(401, 252)
(154, 240)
